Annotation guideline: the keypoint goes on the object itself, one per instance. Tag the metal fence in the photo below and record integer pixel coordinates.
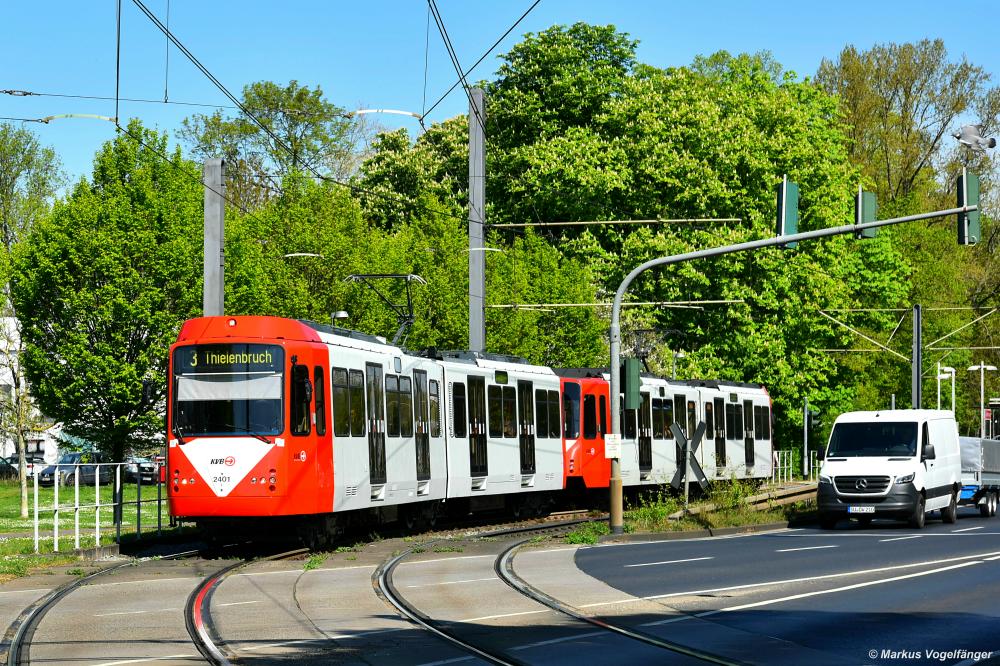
(109, 499)
(782, 469)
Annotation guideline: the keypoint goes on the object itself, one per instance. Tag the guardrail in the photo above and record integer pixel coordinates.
(782, 468)
(106, 477)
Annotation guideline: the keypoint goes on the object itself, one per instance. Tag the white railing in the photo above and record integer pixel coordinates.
(814, 464)
(782, 470)
(112, 474)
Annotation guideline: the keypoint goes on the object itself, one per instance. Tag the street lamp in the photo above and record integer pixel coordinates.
(946, 373)
(982, 368)
(673, 366)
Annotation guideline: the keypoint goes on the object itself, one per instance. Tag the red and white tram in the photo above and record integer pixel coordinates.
(284, 419)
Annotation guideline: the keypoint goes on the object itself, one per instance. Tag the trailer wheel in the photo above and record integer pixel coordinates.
(993, 504)
(985, 509)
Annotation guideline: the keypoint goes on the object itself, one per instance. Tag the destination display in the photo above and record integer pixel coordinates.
(229, 358)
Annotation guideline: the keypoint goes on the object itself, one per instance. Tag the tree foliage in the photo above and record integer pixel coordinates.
(101, 286)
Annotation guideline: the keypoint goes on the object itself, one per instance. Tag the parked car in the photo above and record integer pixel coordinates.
(65, 470)
(137, 467)
(32, 462)
(8, 468)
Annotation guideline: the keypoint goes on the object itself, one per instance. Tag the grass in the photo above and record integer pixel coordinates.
(449, 549)
(588, 533)
(314, 562)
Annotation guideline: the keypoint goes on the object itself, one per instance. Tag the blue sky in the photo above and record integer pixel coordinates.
(371, 54)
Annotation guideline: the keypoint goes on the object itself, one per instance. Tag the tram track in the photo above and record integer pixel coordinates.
(17, 639)
(198, 614)
(504, 568)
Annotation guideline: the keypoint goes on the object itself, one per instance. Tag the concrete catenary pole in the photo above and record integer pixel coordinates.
(918, 359)
(477, 208)
(214, 178)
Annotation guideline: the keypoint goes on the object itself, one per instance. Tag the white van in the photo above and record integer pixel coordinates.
(891, 464)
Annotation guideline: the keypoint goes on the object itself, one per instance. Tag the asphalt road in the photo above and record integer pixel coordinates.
(883, 594)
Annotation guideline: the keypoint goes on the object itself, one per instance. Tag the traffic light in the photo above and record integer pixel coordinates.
(788, 209)
(814, 421)
(968, 195)
(630, 380)
(865, 210)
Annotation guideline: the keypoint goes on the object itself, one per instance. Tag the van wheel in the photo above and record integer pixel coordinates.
(919, 515)
(949, 514)
(993, 504)
(827, 522)
(865, 521)
(986, 506)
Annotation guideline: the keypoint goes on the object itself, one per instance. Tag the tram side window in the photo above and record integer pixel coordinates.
(301, 397)
(357, 396)
(692, 418)
(392, 405)
(589, 417)
(542, 412)
(554, 414)
(628, 423)
(458, 412)
(435, 399)
(509, 411)
(709, 421)
(732, 428)
(668, 419)
(679, 411)
(320, 390)
(494, 400)
(341, 402)
(405, 407)
(657, 409)
(765, 419)
(571, 410)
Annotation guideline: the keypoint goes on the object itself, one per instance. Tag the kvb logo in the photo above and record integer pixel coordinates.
(228, 461)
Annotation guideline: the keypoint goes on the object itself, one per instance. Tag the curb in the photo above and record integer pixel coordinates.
(650, 537)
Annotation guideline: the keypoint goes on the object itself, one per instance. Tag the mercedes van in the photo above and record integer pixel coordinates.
(890, 464)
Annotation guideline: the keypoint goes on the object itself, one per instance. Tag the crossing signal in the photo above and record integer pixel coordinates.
(631, 376)
(865, 210)
(969, 231)
(788, 209)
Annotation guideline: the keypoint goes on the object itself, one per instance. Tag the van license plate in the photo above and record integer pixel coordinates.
(860, 509)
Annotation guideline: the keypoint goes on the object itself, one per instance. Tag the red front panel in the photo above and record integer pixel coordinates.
(248, 422)
(585, 422)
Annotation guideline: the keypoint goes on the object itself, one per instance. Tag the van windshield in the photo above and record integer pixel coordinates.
(873, 439)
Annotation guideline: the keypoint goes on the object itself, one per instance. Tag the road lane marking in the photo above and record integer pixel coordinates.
(499, 617)
(652, 564)
(794, 550)
(859, 572)
(805, 595)
(145, 660)
(915, 536)
(454, 582)
(556, 641)
(446, 559)
(142, 612)
(967, 529)
(453, 660)
(239, 603)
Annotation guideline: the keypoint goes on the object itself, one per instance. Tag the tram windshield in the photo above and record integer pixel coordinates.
(228, 389)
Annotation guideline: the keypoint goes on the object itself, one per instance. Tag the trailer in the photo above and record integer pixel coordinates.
(980, 474)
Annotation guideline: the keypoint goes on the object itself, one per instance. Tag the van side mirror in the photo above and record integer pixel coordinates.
(928, 452)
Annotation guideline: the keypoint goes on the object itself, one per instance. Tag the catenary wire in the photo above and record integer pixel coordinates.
(118, 56)
(28, 93)
(439, 21)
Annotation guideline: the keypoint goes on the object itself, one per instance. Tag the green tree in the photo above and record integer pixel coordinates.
(303, 132)
(29, 176)
(101, 288)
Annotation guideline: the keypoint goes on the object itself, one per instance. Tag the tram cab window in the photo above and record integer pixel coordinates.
(571, 410)
(320, 390)
(301, 399)
(602, 423)
(589, 417)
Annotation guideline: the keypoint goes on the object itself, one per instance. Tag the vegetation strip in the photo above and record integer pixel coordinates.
(505, 570)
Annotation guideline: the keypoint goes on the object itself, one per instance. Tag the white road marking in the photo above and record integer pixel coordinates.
(914, 536)
(859, 572)
(555, 641)
(967, 529)
(445, 559)
(793, 550)
(455, 582)
(146, 660)
(142, 612)
(251, 574)
(44, 589)
(651, 564)
(282, 644)
(499, 617)
(454, 660)
(239, 603)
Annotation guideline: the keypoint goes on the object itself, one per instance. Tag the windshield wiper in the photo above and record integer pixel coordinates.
(180, 435)
(252, 433)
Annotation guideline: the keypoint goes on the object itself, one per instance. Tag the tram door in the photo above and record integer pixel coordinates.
(422, 431)
(748, 432)
(645, 435)
(720, 433)
(477, 426)
(526, 419)
(376, 424)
